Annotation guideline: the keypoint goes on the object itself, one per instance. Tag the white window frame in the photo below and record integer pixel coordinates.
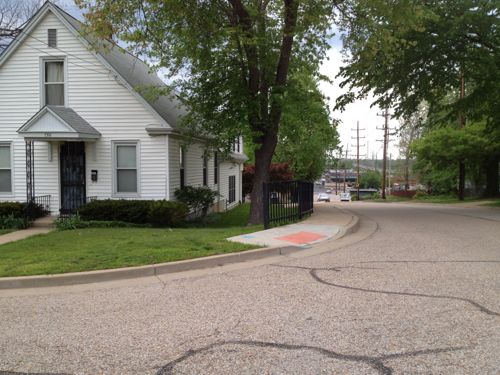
(11, 152)
(114, 160)
(45, 59)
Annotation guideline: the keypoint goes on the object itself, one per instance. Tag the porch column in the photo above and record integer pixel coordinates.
(30, 174)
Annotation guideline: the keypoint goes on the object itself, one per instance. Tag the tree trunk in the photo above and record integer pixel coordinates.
(492, 180)
(461, 180)
(263, 159)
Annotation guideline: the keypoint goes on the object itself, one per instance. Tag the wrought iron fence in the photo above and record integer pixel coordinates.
(287, 201)
(38, 207)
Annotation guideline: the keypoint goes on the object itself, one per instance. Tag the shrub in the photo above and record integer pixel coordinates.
(12, 222)
(198, 199)
(130, 211)
(277, 172)
(167, 214)
(76, 222)
(142, 212)
(14, 209)
(17, 210)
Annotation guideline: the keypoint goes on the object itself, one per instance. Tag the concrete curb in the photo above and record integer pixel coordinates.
(89, 277)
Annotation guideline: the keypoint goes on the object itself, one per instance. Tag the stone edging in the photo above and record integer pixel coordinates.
(88, 277)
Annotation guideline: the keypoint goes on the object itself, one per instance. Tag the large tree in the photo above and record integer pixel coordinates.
(308, 135)
(229, 60)
(407, 52)
(13, 15)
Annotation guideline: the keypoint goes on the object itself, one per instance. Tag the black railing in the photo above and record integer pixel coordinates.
(38, 207)
(287, 201)
(91, 198)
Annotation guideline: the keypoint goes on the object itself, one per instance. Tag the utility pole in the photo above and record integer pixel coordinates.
(385, 146)
(357, 138)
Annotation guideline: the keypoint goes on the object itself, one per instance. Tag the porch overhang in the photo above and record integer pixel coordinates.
(56, 123)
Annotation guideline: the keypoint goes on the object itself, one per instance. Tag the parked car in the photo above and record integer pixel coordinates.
(323, 197)
(328, 191)
(345, 197)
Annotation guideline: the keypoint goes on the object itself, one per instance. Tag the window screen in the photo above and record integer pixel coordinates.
(52, 38)
(5, 169)
(126, 169)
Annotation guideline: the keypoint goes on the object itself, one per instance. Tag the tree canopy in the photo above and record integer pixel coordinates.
(229, 60)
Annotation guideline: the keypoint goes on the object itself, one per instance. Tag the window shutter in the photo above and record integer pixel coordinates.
(52, 38)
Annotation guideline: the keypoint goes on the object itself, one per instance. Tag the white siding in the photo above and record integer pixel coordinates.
(226, 169)
(94, 93)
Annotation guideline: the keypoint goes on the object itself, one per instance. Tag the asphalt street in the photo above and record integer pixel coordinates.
(417, 291)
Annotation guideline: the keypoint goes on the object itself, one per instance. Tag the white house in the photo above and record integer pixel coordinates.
(72, 127)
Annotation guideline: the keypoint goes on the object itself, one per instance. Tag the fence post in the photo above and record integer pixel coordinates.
(300, 186)
(265, 204)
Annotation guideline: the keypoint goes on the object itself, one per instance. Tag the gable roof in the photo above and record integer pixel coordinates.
(57, 122)
(128, 67)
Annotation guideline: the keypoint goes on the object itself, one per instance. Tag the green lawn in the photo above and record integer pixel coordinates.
(102, 248)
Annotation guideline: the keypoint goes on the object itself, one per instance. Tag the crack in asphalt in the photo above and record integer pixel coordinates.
(314, 273)
(374, 362)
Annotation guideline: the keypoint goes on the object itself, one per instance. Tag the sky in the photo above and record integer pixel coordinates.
(360, 111)
(357, 111)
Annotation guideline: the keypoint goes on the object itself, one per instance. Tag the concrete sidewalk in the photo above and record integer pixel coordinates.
(324, 224)
(40, 226)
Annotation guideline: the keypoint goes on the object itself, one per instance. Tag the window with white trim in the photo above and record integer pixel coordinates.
(5, 168)
(53, 82)
(126, 175)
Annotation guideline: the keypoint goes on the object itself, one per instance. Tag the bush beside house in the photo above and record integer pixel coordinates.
(158, 213)
(12, 214)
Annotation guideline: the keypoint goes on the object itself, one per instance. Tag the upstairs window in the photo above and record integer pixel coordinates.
(236, 146)
(53, 82)
(52, 38)
(5, 169)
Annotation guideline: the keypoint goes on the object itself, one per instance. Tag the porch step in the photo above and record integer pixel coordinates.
(44, 222)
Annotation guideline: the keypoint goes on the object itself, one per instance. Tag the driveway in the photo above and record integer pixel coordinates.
(416, 291)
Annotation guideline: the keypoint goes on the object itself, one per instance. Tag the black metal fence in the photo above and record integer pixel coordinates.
(287, 201)
(37, 207)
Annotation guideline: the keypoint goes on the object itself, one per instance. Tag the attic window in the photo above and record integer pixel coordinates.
(52, 38)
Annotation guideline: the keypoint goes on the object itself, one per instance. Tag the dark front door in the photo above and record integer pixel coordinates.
(72, 177)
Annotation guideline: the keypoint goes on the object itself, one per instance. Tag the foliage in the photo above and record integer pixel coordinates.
(408, 52)
(277, 172)
(12, 222)
(308, 136)
(156, 213)
(197, 199)
(370, 180)
(167, 214)
(15, 209)
(18, 209)
(229, 61)
(76, 222)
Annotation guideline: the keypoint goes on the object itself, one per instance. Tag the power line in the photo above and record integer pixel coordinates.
(386, 141)
(69, 61)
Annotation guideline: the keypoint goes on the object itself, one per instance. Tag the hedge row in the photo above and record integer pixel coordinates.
(160, 213)
(17, 209)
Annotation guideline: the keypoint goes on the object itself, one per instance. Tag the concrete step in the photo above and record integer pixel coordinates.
(44, 222)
